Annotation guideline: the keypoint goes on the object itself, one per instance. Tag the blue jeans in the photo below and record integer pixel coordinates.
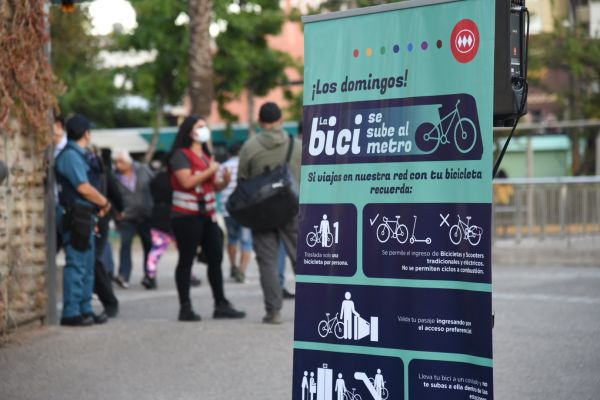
(281, 263)
(238, 234)
(128, 230)
(107, 258)
(78, 278)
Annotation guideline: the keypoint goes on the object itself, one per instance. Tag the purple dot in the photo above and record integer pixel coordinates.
(410, 47)
(439, 44)
(396, 48)
(424, 45)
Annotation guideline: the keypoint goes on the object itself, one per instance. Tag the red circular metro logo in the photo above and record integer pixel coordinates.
(465, 41)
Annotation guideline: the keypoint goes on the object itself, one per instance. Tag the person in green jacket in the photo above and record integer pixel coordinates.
(268, 150)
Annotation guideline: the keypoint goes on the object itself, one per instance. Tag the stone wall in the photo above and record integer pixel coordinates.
(22, 231)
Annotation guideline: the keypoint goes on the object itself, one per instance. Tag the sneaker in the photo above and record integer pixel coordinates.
(195, 282)
(98, 319)
(234, 271)
(149, 283)
(240, 277)
(226, 311)
(77, 321)
(288, 295)
(122, 283)
(187, 314)
(273, 318)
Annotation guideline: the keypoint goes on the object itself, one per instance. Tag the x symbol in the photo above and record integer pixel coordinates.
(445, 220)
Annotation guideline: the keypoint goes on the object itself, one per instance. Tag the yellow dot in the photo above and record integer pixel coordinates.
(369, 52)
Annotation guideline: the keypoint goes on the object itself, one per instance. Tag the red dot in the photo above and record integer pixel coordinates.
(439, 44)
(356, 53)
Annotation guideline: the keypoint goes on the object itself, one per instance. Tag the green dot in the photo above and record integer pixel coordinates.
(382, 50)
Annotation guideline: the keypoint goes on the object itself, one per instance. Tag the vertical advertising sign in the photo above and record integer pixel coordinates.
(394, 248)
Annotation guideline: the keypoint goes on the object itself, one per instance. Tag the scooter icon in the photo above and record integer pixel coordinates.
(413, 239)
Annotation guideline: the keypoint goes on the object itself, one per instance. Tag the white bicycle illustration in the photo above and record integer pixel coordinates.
(384, 392)
(465, 133)
(314, 237)
(331, 325)
(392, 229)
(350, 395)
(465, 231)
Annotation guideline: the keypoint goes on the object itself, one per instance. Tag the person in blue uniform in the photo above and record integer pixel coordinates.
(80, 204)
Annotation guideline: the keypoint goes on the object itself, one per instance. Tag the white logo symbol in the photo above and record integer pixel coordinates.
(323, 386)
(348, 324)
(465, 41)
(323, 234)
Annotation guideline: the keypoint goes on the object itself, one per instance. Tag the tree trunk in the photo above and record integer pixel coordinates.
(251, 120)
(200, 62)
(158, 123)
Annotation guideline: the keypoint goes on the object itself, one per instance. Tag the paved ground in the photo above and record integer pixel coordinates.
(547, 346)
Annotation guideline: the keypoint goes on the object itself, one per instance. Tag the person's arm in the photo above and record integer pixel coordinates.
(90, 193)
(223, 181)
(190, 181)
(74, 170)
(113, 193)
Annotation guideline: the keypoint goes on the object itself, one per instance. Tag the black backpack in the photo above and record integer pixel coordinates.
(268, 200)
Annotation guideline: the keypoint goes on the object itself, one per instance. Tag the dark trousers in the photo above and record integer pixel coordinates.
(102, 280)
(190, 233)
(266, 247)
(128, 229)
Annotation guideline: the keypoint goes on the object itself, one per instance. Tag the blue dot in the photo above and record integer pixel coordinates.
(410, 47)
(396, 48)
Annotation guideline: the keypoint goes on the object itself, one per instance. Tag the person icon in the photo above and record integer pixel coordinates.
(305, 385)
(325, 231)
(346, 315)
(379, 383)
(313, 386)
(340, 387)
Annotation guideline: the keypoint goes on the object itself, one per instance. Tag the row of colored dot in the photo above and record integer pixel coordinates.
(410, 47)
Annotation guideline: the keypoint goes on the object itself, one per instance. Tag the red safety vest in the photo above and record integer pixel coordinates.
(200, 200)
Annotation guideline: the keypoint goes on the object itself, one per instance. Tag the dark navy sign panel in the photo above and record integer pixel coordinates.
(430, 128)
(434, 380)
(438, 320)
(361, 375)
(427, 241)
(326, 240)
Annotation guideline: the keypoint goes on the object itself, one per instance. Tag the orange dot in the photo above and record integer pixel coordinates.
(369, 52)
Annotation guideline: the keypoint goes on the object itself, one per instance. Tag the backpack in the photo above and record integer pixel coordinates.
(268, 200)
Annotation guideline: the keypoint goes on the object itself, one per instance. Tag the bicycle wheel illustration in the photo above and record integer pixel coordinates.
(329, 240)
(428, 137)
(474, 236)
(384, 394)
(383, 233)
(338, 330)
(312, 239)
(455, 234)
(323, 329)
(465, 135)
(402, 234)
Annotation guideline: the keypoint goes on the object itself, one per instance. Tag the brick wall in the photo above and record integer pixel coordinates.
(22, 235)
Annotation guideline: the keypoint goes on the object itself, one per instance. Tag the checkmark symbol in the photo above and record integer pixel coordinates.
(372, 221)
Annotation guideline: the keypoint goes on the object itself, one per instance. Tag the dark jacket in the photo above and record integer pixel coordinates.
(162, 194)
(137, 205)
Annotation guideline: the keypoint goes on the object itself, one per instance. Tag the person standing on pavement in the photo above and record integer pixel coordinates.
(193, 173)
(134, 185)
(237, 235)
(79, 203)
(268, 150)
(102, 279)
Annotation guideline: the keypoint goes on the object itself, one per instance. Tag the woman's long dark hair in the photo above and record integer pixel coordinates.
(184, 137)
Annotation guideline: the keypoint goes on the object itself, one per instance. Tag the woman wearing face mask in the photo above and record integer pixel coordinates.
(192, 172)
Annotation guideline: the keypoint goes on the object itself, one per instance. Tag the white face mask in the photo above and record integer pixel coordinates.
(202, 135)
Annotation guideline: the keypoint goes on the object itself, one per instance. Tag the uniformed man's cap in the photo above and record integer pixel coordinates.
(77, 125)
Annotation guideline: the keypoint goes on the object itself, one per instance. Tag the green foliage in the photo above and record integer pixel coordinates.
(163, 80)
(89, 88)
(244, 60)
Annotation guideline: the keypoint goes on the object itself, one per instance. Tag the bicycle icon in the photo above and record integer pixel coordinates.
(465, 231)
(394, 229)
(348, 395)
(314, 237)
(329, 325)
(465, 133)
(384, 392)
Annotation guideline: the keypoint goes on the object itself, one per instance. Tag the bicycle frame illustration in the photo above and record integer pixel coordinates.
(466, 231)
(350, 395)
(392, 228)
(329, 325)
(465, 132)
(413, 238)
(314, 237)
(384, 392)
